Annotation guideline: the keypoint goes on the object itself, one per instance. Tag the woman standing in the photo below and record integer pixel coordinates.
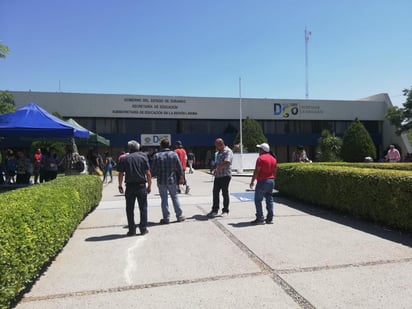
(108, 167)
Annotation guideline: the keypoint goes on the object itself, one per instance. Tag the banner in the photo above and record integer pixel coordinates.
(153, 139)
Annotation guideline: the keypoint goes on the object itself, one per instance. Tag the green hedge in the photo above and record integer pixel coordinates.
(383, 166)
(382, 196)
(36, 222)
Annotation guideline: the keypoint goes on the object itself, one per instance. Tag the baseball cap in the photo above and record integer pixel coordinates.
(264, 147)
(179, 143)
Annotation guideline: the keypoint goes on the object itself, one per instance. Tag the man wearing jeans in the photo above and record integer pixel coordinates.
(167, 168)
(223, 175)
(265, 174)
(135, 169)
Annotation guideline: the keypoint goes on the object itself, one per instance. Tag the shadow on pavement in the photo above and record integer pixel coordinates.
(348, 220)
(199, 217)
(106, 237)
(241, 224)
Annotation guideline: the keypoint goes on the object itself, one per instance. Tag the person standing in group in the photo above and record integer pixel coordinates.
(135, 170)
(10, 167)
(37, 165)
(265, 174)
(299, 155)
(190, 160)
(50, 161)
(223, 174)
(181, 153)
(24, 168)
(69, 161)
(122, 155)
(169, 172)
(108, 167)
(91, 158)
(393, 154)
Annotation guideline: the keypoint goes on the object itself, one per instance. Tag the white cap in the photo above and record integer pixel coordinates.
(264, 147)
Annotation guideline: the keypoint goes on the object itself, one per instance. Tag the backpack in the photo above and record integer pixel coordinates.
(79, 165)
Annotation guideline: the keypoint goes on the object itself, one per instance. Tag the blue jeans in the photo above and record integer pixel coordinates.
(132, 192)
(172, 190)
(108, 169)
(264, 189)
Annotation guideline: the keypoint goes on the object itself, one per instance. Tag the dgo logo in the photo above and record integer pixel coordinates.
(285, 109)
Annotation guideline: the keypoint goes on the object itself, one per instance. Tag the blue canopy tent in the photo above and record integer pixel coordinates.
(32, 121)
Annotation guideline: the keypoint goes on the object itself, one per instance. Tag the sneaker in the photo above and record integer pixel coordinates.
(181, 219)
(269, 221)
(164, 221)
(225, 214)
(257, 222)
(187, 190)
(212, 214)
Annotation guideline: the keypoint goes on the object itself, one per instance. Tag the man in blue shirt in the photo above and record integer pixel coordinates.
(167, 168)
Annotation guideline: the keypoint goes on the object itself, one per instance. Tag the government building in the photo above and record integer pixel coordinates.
(198, 121)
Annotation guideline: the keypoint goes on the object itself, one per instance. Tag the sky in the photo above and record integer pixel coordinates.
(213, 48)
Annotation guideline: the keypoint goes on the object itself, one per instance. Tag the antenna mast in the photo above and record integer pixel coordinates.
(307, 36)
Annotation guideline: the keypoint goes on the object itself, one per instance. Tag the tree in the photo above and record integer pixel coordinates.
(252, 134)
(330, 147)
(50, 143)
(357, 143)
(7, 104)
(4, 50)
(401, 117)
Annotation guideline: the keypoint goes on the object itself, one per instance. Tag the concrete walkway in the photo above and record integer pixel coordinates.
(309, 258)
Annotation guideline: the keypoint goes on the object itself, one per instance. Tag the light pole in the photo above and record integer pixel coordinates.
(240, 126)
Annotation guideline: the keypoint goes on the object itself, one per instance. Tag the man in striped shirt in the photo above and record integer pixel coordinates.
(223, 175)
(167, 168)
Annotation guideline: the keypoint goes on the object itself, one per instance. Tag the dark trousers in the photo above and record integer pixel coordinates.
(221, 183)
(23, 178)
(49, 175)
(136, 191)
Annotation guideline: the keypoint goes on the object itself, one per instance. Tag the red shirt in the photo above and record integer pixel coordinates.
(181, 153)
(37, 158)
(266, 165)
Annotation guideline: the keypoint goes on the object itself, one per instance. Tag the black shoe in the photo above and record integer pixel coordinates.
(164, 221)
(212, 214)
(144, 232)
(131, 233)
(257, 222)
(269, 221)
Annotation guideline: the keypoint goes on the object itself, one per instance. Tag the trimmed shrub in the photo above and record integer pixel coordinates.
(36, 222)
(382, 166)
(382, 196)
(357, 143)
(329, 147)
(252, 134)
